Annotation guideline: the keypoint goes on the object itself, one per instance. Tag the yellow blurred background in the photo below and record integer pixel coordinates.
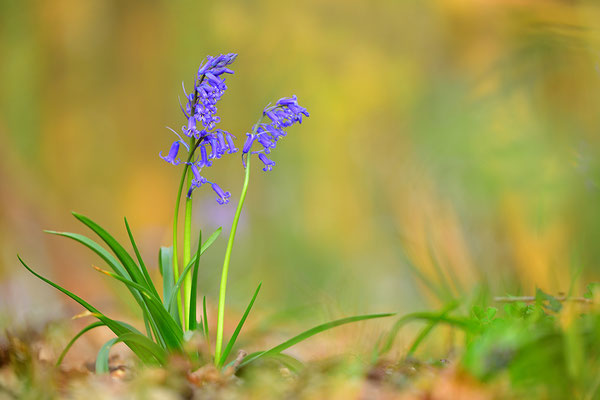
(452, 144)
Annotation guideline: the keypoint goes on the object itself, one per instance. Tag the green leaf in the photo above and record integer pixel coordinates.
(111, 261)
(72, 341)
(161, 319)
(461, 323)
(208, 243)
(96, 248)
(165, 262)
(167, 327)
(311, 332)
(193, 320)
(591, 288)
(119, 328)
(103, 356)
(429, 328)
(291, 363)
(132, 269)
(205, 320)
(553, 303)
(140, 260)
(159, 354)
(238, 328)
(187, 269)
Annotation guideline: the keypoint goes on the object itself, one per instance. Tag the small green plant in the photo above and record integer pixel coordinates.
(172, 319)
(543, 346)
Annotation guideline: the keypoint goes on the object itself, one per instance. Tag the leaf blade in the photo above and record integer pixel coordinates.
(311, 332)
(235, 334)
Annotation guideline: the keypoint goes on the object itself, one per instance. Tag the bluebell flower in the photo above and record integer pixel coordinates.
(222, 196)
(172, 156)
(200, 111)
(268, 163)
(283, 114)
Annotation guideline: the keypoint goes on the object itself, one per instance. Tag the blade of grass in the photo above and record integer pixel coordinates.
(103, 355)
(96, 248)
(167, 326)
(132, 268)
(443, 279)
(140, 260)
(291, 363)
(177, 286)
(119, 328)
(238, 329)
(311, 332)
(159, 354)
(165, 260)
(193, 318)
(205, 318)
(461, 323)
(188, 267)
(168, 329)
(438, 292)
(112, 262)
(432, 324)
(72, 341)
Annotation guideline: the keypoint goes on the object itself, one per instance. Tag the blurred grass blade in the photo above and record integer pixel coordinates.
(461, 323)
(432, 324)
(435, 290)
(193, 320)
(102, 360)
(444, 281)
(72, 341)
(311, 332)
(231, 342)
(291, 363)
(140, 260)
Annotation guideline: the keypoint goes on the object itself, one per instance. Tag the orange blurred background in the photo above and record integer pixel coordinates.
(451, 145)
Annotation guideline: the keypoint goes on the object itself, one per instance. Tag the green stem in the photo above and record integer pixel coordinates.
(187, 236)
(194, 146)
(223, 288)
(175, 225)
(175, 262)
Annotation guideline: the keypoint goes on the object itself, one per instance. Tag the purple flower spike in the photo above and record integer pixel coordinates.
(200, 110)
(268, 163)
(171, 157)
(283, 114)
(222, 197)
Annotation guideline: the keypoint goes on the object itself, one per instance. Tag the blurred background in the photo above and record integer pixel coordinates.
(452, 146)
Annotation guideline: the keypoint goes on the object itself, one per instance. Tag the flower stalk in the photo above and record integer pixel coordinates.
(224, 273)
